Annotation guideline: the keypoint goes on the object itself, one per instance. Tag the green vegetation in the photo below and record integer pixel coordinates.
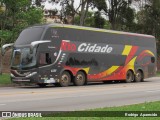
(151, 106)
(5, 79)
(87, 118)
(158, 73)
(17, 15)
(147, 106)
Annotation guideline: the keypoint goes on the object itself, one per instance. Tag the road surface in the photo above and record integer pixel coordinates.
(71, 98)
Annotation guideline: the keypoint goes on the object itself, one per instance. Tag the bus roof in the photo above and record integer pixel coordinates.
(94, 29)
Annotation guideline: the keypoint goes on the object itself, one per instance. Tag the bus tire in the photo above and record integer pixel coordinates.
(129, 77)
(139, 76)
(41, 85)
(80, 79)
(65, 79)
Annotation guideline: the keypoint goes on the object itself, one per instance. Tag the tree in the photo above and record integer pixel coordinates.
(92, 20)
(38, 3)
(140, 4)
(17, 16)
(69, 11)
(99, 22)
(85, 4)
(126, 19)
(149, 18)
(112, 9)
(89, 21)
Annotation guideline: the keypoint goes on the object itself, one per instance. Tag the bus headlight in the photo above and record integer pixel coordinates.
(31, 74)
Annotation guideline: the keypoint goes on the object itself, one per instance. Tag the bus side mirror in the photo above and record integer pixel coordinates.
(5, 48)
(35, 43)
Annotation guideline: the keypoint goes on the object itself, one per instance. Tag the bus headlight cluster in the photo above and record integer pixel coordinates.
(31, 74)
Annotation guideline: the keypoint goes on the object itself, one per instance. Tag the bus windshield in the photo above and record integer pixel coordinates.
(29, 35)
(23, 59)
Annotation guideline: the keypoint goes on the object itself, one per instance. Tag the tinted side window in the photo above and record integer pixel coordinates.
(44, 59)
(153, 59)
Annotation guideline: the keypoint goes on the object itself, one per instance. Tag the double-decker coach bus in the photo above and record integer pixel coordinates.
(64, 54)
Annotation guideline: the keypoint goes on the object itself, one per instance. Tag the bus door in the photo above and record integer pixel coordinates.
(45, 60)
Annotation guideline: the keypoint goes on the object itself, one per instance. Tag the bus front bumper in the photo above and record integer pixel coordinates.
(31, 78)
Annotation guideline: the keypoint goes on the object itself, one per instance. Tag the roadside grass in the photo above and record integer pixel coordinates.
(158, 74)
(150, 107)
(5, 79)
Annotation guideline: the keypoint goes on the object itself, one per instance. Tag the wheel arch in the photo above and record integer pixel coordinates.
(83, 72)
(131, 71)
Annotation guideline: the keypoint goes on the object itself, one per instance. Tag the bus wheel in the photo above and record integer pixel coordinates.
(80, 79)
(65, 79)
(129, 77)
(139, 76)
(42, 85)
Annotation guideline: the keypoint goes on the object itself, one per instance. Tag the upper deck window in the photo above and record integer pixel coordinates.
(29, 35)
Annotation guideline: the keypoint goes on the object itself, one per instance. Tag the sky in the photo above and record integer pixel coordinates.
(49, 6)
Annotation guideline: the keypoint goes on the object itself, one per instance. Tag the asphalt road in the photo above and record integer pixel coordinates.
(94, 95)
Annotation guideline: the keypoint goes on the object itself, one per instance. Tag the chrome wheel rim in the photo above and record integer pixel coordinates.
(64, 79)
(138, 76)
(80, 78)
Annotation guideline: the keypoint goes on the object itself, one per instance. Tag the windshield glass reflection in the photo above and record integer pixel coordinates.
(23, 59)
